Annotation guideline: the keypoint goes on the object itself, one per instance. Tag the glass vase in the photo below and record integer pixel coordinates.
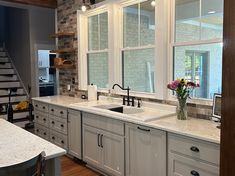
(182, 113)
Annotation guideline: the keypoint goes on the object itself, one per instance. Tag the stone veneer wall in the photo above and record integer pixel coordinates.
(66, 21)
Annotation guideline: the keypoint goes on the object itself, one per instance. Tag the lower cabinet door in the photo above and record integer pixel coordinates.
(183, 166)
(112, 153)
(91, 149)
(145, 151)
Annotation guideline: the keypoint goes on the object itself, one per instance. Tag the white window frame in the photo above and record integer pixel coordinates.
(173, 44)
(115, 43)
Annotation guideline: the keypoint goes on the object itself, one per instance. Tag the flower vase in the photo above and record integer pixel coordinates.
(182, 113)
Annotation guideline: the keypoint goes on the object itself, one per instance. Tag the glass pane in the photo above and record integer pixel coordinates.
(98, 69)
(201, 64)
(130, 26)
(147, 23)
(212, 19)
(103, 31)
(187, 24)
(93, 36)
(98, 32)
(138, 70)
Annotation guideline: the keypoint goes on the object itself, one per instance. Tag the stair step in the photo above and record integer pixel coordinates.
(5, 65)
(1, 49)
(13, 95)
(7, 71)
(18, 98)
(8, 78)
(10, 85)
(21, 124)
(16, 116)
(3, 53)
(5, 91)
(4, 59)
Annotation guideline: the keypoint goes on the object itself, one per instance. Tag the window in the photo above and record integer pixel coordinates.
(138, 52)
(198, 44)
(97, 55)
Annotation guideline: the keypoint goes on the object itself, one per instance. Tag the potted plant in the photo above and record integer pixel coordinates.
(182, 89)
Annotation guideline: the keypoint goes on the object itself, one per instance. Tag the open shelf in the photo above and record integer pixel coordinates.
(64, 50)
(62, 34)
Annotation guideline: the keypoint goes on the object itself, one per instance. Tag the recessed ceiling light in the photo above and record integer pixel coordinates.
(211, 12)
(153, 3)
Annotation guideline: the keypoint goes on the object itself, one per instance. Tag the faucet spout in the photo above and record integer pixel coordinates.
(128, 94)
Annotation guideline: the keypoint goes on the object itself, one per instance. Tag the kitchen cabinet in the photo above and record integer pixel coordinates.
(189, 156)
(102, 148)
(74, 133)
(145, 151)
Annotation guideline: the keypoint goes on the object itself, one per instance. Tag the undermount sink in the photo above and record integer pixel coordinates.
(121, 109)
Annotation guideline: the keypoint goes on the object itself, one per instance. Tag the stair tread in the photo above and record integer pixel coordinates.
(13, 95)
(13, 103)
(20, 87)
(15, 111)
(10, 81)
(20, 120)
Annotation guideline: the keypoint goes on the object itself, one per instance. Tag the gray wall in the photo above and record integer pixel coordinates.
(2, 24)
(18, 41)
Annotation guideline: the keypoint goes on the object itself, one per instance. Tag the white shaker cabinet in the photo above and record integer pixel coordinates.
(145, 151)
(74, 133)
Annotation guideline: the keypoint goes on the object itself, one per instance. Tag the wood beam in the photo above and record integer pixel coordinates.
(41, 3)
(227, 160)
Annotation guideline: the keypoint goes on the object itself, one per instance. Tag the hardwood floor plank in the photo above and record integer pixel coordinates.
(70, 167)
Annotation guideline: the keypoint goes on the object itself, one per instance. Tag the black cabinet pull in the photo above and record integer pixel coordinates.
(61, 112)
(101, 141)
(147, 130)
(53, 122)
(43, 107)
(36, 105)
(98, 140)
(44, 119)
(62, 125)
(37, 130)
(45, 133)
(37, 117)
(194, 149)
(62, 142)
(52, 110)
(53, 137)
(194, 173)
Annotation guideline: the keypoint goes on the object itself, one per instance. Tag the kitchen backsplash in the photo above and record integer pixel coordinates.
(66, 21)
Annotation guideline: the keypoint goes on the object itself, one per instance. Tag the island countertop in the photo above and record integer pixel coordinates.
(18, 145)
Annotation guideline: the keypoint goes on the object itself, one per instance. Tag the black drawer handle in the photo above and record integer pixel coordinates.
(194, 149)
(37, 130)
(61, 112)
(101, 141)
(37, 117)
(43, 107)
(62, 142)
(147, 130)
(53, 122)
(98, 140)
(36, 105)
(52, 110)
(44, 119)
(45, 133)
(62, 125)
(194, 173)
(53, 137)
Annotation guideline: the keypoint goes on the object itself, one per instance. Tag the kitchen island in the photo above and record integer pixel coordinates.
(18, 145)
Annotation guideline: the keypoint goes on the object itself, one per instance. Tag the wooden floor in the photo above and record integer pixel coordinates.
(70, 167)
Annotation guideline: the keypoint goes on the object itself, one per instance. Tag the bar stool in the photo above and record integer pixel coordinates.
(32, 167)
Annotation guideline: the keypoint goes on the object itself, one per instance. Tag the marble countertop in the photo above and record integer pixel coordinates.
(18, 145)
(197, 128)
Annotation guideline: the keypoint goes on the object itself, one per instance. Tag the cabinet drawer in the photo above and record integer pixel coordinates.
(41, 118)
(105, 123)
(194, 148)
(58, 111)
(40, 106)
(41, 131)
(58, 139)
(58, 124)
(183, 166)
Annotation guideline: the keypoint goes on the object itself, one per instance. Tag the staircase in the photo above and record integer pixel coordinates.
(9, 79)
